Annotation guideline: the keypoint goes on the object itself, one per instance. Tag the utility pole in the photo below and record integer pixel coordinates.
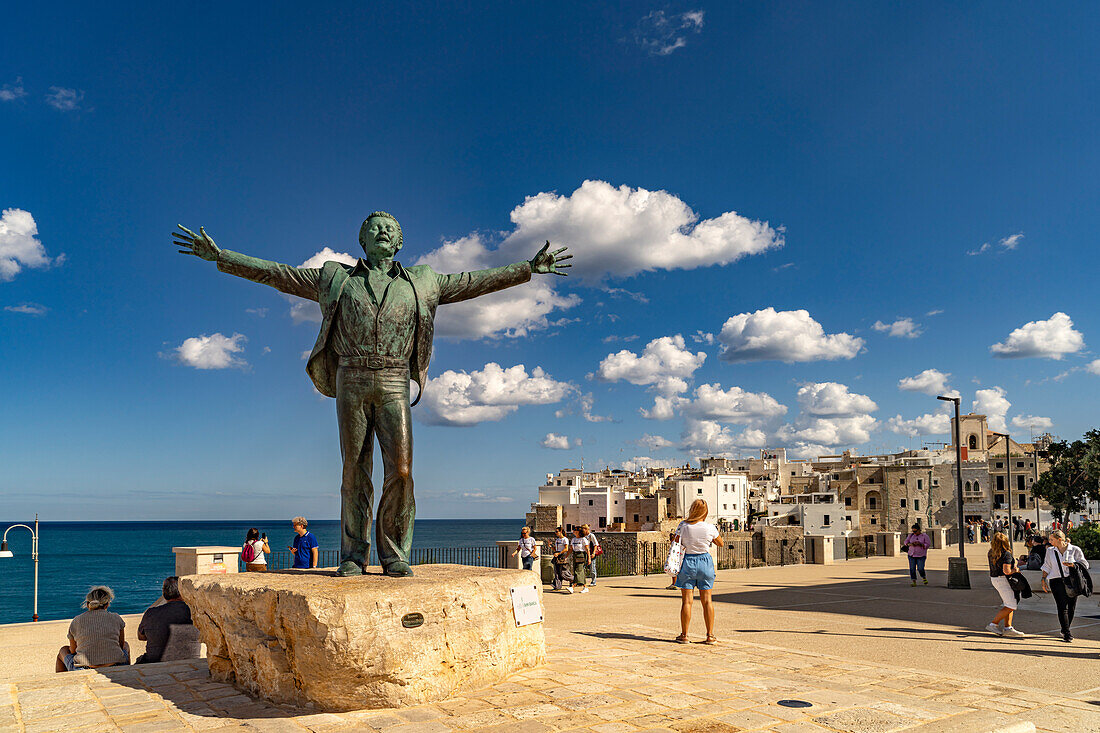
(958, 576)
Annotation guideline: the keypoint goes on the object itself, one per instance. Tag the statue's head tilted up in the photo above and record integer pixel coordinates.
(380, 236)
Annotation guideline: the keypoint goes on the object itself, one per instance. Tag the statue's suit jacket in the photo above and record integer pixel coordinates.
(326, 283)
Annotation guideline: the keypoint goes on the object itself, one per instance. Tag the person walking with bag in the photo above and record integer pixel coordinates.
(1001, 565)
(1061, 557)
(697, 568)
(528, 549)
(582, 557)
(596, 549)
(916, 545)
(253, 552)
(560, 558)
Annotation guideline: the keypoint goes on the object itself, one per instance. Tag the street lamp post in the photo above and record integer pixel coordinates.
(1008, 487)
(958, 575)
(5, 552)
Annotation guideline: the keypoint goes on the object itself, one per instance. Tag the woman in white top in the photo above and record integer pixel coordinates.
(527, 549)
(1061, 556)
(697, 569)
(259, 546)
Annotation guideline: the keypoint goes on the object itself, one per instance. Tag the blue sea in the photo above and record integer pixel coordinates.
(133, 558)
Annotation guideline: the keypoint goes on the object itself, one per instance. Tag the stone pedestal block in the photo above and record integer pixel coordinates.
(311, 639)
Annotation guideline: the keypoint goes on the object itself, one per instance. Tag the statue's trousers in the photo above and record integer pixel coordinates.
(373, 402)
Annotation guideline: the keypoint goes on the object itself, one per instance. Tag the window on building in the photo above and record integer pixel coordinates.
(902, 482)
(589, 502)
(1023, 501)
(874, 520)
(1000, 464)
(920, 484)
(1000, 483)
(636, 518)
(603, 521)
(836, 477)
(847, 501)
(903, 503)
(1019, 464)
(966, 487)
(943, 503)
(916, 505)
(725, 507)
(616, 501)
(973, 442)
(559, 482)
(825, 520)
(872, 502)
(998, 501)
(700, 492)
(1020, 482)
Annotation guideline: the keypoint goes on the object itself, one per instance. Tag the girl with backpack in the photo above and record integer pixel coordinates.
(253, 552)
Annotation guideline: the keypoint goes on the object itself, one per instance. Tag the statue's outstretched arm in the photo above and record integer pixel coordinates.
(300, 281)
(466, 285)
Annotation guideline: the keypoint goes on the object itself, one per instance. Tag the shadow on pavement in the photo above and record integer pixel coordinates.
(634, 637)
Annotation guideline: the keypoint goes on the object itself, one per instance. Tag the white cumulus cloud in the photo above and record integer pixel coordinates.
(1093, 367)
(901, 328)
(215, 351)
(830, 415)
(19, 244)
(1050, 339)
(733, 405)
(709, 437)
(931, 382)
(513, 312)
(994, 405)
(1007, 243)
(612, 231)
(558, 442)
(927, 424)
(788, 336)
(665, 363)
(654, 442)
(467, 398)
(1032, 422)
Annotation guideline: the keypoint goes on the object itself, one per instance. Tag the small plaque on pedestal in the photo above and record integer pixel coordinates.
(525, 605)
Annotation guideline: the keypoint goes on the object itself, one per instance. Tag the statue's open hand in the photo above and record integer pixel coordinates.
(200, 245)
(546, 262)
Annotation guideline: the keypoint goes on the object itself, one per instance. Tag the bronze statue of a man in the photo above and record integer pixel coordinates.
(376, 332)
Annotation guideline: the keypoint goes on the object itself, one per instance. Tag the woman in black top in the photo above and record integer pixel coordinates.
(1001, 565)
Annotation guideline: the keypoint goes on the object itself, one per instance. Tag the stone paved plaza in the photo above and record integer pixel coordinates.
(613, 667)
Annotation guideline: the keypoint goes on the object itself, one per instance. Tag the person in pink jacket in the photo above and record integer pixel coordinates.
(917, 544)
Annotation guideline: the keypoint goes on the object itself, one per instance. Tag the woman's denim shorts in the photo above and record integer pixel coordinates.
(697, 571)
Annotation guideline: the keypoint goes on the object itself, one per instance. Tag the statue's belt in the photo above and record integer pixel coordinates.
(375, 361)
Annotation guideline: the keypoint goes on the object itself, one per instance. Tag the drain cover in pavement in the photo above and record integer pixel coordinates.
(795, 703)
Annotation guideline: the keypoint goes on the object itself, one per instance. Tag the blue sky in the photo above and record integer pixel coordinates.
(748, 189)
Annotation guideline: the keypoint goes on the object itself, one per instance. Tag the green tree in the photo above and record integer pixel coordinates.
(1074, 475)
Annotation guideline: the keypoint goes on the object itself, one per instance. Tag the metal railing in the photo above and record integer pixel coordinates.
(483, 557)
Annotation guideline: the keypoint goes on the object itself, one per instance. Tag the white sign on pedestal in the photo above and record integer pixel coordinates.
(525, 605)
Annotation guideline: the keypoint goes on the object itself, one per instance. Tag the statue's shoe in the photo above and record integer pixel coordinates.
(349, 567)
(398, 569)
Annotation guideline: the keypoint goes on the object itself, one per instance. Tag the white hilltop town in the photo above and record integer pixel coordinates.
(840, 495)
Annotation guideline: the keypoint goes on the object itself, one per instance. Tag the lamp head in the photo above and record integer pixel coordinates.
(947, 399)
(4, 551)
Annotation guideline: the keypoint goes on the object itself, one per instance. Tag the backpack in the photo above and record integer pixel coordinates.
(248, 552)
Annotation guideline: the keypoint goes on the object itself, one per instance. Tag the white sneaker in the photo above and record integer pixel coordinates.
(570, 589)
(1009, 631)
(585, 590)
(994, 629)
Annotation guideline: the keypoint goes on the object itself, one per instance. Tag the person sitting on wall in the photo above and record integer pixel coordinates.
(158, 620)
(97, 637)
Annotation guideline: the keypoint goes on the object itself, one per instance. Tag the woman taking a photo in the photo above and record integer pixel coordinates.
(697, 569)
(1001, 565)
(255, 561)
(1061, 556)
(916, 546)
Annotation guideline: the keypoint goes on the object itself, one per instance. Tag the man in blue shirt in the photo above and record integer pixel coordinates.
(305, 545)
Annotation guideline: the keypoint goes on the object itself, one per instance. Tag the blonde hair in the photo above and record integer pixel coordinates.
(525, 529)
(99, 596)
(300, 520)
(1059, 534)
(697, 512)
(998, 545)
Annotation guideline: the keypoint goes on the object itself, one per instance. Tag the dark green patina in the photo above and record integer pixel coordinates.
(376, 334)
